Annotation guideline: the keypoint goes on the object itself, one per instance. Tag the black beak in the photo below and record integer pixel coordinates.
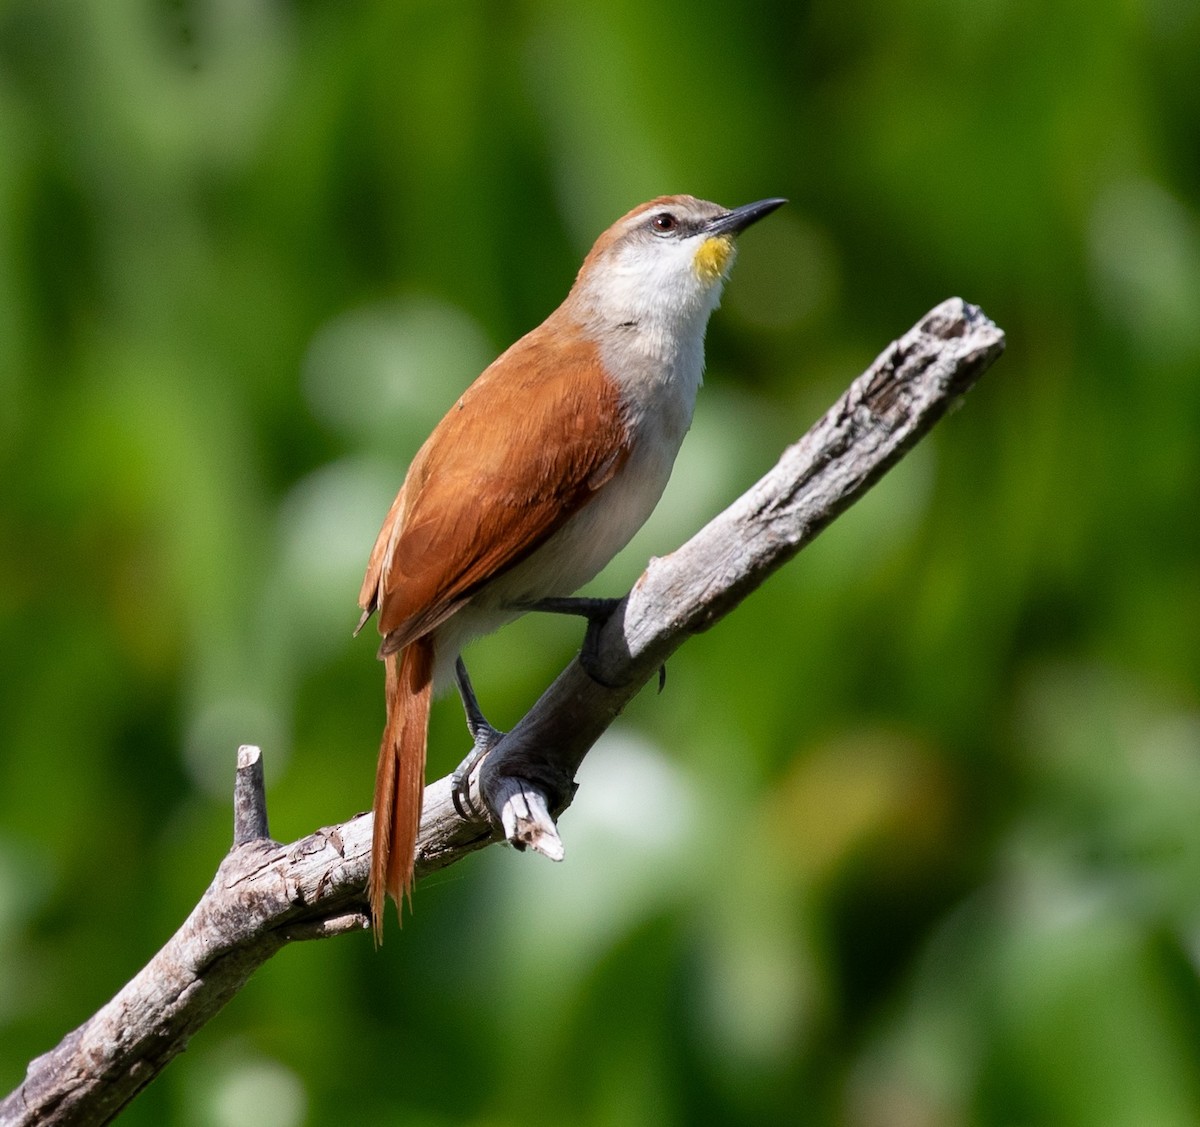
(737, 220)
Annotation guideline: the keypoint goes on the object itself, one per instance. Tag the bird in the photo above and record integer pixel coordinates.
(540, 472)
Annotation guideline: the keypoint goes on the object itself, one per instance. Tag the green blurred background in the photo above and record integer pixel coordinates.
(911, 839)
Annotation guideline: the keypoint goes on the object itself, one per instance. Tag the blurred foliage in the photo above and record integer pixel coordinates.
(910, 839)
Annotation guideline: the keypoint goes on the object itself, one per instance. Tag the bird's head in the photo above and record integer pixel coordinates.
(664, 262)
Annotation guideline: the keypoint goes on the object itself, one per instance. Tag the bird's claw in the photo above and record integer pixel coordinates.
(460, 780)
(483, 737)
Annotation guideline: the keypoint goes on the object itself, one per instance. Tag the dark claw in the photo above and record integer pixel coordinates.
(460, 781)
(483, 736)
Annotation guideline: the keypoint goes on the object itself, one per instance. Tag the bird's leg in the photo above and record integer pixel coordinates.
(597, 611)
(483, 736)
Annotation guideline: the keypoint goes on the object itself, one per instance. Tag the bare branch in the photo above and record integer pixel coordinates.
(265, 894)
(249, 798)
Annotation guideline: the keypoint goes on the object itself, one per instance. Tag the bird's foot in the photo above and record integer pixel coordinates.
(460, 782)
(597, 611)
(483, 737)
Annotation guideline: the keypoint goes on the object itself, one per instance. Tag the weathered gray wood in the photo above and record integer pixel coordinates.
(266, 894)
(249, 797)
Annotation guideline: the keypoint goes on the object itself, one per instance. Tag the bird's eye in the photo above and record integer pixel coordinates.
(664, 223)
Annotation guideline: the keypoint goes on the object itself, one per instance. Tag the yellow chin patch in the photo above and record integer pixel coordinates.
(713, 257)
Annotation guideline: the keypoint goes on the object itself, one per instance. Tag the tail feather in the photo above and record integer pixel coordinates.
(400, 776)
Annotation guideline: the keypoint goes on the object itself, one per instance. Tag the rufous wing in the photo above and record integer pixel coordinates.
(523, 449)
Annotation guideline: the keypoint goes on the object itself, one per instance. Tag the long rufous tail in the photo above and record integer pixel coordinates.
(400, 776)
